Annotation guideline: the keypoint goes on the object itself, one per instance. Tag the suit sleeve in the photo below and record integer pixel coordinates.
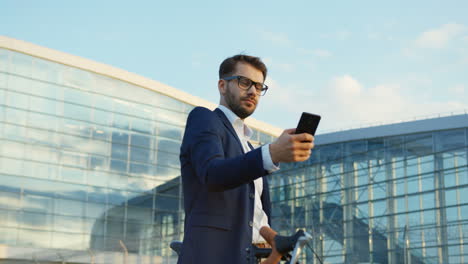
(206, 150)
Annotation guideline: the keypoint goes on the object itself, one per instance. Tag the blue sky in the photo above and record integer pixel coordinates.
(353, 62)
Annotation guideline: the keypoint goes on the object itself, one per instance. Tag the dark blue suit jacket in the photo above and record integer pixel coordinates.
(217, 179)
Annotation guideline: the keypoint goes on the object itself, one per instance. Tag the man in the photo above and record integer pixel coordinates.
(226, 195)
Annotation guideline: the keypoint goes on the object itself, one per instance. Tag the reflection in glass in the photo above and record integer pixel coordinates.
(34, 238)
(8, 235)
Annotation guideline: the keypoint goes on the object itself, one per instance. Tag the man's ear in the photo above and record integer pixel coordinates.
(222, 86)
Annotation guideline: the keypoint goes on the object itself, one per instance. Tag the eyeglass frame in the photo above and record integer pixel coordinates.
(260, 92)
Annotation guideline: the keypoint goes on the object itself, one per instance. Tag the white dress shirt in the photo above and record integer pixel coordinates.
(244, 133)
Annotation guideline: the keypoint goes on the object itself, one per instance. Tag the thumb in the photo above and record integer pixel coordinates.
(289, 131)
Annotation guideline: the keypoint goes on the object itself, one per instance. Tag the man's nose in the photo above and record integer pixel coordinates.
(252, 90)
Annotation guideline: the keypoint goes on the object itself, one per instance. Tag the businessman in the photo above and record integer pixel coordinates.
(224, 179)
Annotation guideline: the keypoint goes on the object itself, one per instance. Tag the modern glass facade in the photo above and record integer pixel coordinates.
(89, 173)
(88, 165)
(393, 199)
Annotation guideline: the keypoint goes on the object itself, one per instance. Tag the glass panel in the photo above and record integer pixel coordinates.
(450, 140)
(20, 84)
(169, 131)
(69, 241)
(9, 200)
(40, 204)
(117, 197)
(164, 172)
(413, 203)
(68, 190)
(98, 178)
(8, 235)
(168, 159)
(17, 100)
(44, 89)
(21, 64)
(45, 70)
(73, 159)
(77, 78)
(13, 149)
(140, 184)
(4, 60)
(69, 224)
(97, 194)
(77, 112)
(451, 197)
(170, 146)
(138, 168)
(16, 116)
(42, 105)
(120, 137)
(36, 221)
(34, 238)
(96, 210)
(72, 174)
(42, 121)
(101, 133)
(94, 226)
(160, 100)
(428, 182)
(69, 207)
(47, 140)
(428, 200)
(118, 165)
(75, 96)
(12, 167)
(419, 145)
(142, 155)
(102, 117)
(121, 121)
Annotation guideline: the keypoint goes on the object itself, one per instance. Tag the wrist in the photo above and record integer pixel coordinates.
(272, 149)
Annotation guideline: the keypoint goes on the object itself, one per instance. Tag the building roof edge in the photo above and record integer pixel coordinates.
(116, 73)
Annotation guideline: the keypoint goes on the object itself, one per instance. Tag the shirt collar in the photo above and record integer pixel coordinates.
(236, 122)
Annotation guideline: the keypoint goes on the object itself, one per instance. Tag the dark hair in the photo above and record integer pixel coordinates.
(228, 66)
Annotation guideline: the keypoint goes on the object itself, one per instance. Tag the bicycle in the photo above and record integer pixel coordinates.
(280, 251)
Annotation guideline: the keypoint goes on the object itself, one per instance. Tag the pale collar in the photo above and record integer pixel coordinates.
(236, 122)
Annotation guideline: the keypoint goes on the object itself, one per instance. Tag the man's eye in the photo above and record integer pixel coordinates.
(245, 82)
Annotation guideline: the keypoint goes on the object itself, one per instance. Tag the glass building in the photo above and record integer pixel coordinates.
(89, 160)
(388, 194)
(89, 173)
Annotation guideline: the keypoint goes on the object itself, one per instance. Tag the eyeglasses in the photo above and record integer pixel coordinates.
(245, 83)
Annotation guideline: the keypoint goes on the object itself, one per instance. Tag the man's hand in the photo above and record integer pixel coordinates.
(290, 147)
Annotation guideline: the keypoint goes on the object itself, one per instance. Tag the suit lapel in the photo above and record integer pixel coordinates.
(228, 125)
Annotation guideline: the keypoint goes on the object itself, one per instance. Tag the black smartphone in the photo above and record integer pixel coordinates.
(308, 123)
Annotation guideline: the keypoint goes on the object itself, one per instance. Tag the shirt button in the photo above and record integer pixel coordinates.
(252, 195)
(250, 223)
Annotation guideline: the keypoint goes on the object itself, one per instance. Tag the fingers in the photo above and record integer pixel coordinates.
(289, 131)
(303, 137)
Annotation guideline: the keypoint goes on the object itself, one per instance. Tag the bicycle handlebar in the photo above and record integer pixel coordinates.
(282, 245)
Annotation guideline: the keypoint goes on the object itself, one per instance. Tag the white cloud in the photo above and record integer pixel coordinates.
(441, 36)
(340, 35)
(322, 53)
(347, 103)
(316, 52)
(276, 38)
(281, 66)
(459, 89)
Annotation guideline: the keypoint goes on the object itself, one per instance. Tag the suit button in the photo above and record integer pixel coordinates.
(252, 196)
(250, 223)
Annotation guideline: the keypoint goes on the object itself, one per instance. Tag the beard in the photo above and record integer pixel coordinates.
(236, 107)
